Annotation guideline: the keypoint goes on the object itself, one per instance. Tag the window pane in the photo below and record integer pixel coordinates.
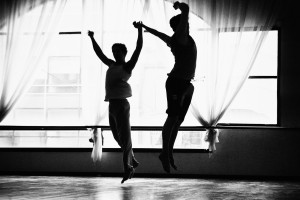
(256, 103)
(37, 89)
(63, 101)
(72, 16)
(45, 139)
(62, 133)
(29, 141)
(152, 139)
(62, 142)
(65, 45)
(29, 138)
(32, 101)
(28, 133)
(63, 89)
(63, 116)
(64, 65)
(64, 79)
(40, 79)
(6, 142)
(140, 139)
(29, 116)
(266, 62)
(6, 133)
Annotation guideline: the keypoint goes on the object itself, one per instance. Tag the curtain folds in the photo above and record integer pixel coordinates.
(22, 46)
(94, 108)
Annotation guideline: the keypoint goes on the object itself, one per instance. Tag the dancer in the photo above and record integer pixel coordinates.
(117, 91)
(178, 87)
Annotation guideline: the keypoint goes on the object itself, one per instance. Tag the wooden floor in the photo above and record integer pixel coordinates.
(74, 187)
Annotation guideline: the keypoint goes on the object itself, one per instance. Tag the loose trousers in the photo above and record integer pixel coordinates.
(119, 121)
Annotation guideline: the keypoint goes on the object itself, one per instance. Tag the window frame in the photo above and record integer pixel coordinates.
(182, 128)
(159, 128)
(278, 124)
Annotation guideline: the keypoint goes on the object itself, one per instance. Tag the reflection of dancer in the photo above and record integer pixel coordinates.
(178, 87)
(117, 90)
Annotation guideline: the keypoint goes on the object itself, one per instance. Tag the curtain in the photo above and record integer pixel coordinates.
(229, 47)
(24, 39)
(94, 108)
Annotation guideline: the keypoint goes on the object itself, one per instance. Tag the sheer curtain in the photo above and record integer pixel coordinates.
(227, 53)
(92, 73)
(22, 46)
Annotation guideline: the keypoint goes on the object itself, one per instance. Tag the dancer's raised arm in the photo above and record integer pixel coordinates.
(182, 30)
(139, 44)
(99, 51)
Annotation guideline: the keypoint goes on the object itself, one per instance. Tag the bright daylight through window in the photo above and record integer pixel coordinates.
(58, 95)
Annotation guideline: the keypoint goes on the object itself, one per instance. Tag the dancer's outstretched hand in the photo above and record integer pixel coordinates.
(91, 33)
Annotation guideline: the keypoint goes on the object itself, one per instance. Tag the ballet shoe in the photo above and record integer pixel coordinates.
(172, 163)
(165, 163)
(91, 140)
(128, 174)
(132, 173)
(135, 163)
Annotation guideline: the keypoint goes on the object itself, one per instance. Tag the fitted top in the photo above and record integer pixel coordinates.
(185, 59)
(116, 85)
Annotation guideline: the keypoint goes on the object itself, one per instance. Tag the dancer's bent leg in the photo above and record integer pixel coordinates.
(166, 135)
(125, 139)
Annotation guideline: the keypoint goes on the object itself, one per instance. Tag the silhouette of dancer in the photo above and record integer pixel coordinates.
(117, 91)
(178, 87)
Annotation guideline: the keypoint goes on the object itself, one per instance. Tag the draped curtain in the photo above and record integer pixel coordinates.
(24, 39)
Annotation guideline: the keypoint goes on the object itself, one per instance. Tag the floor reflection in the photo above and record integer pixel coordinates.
(65, 187)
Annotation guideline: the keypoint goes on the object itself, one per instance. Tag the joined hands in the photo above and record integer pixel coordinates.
(135, 24)
(138, 24)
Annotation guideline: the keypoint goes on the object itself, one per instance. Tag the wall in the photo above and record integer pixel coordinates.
(241, 152)
(289, 69)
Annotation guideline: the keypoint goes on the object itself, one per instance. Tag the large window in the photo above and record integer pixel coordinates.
(55, 98)
(256, 103)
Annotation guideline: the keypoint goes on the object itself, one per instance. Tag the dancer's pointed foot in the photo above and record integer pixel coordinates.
(128, 174)
(165, 162)
(135, 163)
(132, 173)
(172, 163)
